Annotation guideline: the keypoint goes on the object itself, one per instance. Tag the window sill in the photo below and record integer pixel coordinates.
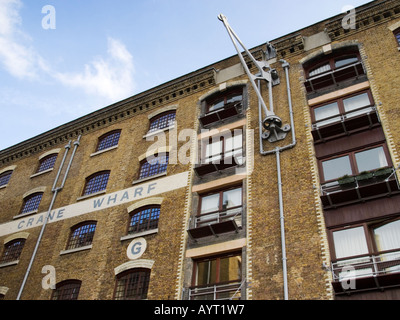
(150, 178)
(91, 195)
(41, 172)
(3, 186)
(103, 151)
(64, 252)
(139, 234)
(25, 214)
(7, 264)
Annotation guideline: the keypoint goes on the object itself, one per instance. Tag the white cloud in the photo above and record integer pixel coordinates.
(18, 58)
(111, 78)
(9, 16)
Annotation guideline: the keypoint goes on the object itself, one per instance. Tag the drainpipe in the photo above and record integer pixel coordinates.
(55, 191)
(277, 152)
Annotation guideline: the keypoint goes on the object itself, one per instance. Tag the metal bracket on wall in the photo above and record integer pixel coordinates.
(270, 122)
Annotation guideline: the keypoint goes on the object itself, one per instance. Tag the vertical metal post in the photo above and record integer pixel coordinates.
(55, 191)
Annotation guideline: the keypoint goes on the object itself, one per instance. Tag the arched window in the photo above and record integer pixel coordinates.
(47, 162)
(5, 177)
(108, 140)
(81, 235)
(222, 106)
(397, 35)
(31, 202)
(155, 165)
(12, 250)
(143, 219)
(224, 99)
(333, 70)
(162, 121)
(67, 290)
(96, 182)
(132, 284)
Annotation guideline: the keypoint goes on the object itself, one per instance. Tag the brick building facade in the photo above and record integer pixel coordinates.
(174, 193)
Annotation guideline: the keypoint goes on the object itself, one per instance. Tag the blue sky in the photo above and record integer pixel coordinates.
(103, 51)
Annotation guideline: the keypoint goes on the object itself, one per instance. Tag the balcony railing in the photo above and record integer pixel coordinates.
(221, 161)
(216, 223)
(227, 111)
(344, 124)
(366, 186)
(366, 272)
(334, 77)
(226, 291)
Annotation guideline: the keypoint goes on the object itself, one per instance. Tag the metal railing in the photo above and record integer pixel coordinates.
(234, 213)
(220, 114)
(345, 72)
(227, 291)
(369, 265)
(354, 182)
(365, 186)
(342, 117)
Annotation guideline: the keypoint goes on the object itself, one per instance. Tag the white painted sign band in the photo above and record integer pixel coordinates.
(105, 201)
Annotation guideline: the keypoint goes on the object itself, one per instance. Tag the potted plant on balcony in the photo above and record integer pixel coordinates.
(364, 177)
(383, 173)
(346, 181)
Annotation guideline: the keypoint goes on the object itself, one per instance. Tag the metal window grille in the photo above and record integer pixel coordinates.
(12, 250)
(96, 182)
(132, 285)
(32, 202)
(156, 165)
(144, 219)
(47, 163)
(5, 178)
(68, 290)
(108, 140)
(82, 235)
(163, 121)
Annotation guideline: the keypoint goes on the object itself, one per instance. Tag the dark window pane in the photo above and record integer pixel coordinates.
(47, 163)
(158, 164)
(96, 182)
(5, 178)
(108, 140)
(12, 250)
(32, 202)
(82, 236)
(68, 290)
(132, 285)
(162, 121)
(144, 219)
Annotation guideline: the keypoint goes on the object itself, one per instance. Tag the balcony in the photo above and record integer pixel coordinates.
(366, 186)
(345, 124)
(366, 272)
(227, 111)
(216, 223)
(226, 291)
(332, 79)
(220, 162)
